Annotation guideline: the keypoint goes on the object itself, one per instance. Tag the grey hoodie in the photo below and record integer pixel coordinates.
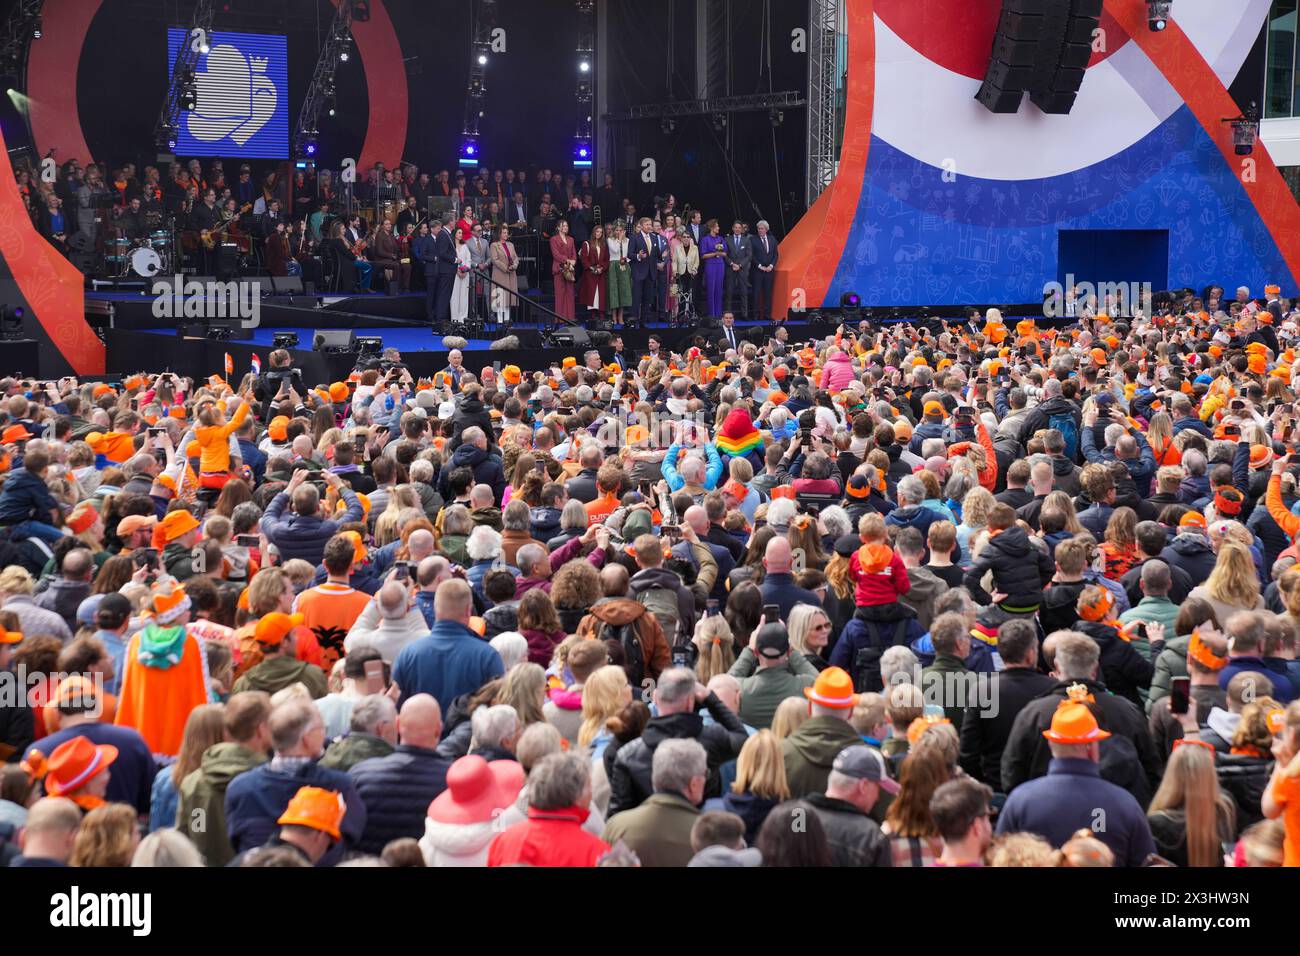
(925, 590)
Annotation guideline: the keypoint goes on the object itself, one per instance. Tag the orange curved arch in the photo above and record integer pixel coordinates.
(810, 256)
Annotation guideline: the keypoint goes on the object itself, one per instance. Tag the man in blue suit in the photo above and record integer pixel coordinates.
(740, 256)
(764, 274)
(444, 253)
(425, 250)
(643, 250)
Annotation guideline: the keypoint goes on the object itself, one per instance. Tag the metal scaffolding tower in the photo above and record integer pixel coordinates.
(181, 90)
(320, 94)
(823, 79)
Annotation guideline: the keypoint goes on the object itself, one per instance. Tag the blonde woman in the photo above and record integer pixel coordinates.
(1233, 585)
(716, 645)
(604, 696)
(1191, 818)
(524, 689)
(810, 632)
(1160, 436)
(388, 526)
(789, 717)
(108, 836)
(975, 508)
(760, 783)
(1065, 504)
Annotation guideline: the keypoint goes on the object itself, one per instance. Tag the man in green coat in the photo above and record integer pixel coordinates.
(201, 807)
(811, 750)
(1155, 606)
(659, 830)
(947, 681)
(372, 732)
(768, 676)
(279, 668)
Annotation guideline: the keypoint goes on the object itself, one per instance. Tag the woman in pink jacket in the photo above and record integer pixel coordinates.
(837, 372)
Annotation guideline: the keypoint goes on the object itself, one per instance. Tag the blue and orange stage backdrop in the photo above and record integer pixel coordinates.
(939, 201)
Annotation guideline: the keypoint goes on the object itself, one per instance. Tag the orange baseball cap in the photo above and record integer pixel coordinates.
(317, 808)
(934, 409)
(273, 628)
(14, 433)
(177, 523)
(278, 428)
(1193, 519)
(1099, 356)
(902, 430)
(339, 392)
(11, 637)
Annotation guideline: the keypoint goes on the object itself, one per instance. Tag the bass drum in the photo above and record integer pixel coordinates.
(145, 262)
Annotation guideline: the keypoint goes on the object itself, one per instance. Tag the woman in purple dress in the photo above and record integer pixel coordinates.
(713, 254)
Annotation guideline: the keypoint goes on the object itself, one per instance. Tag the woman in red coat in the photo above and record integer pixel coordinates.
(595, 265)
(564, 259)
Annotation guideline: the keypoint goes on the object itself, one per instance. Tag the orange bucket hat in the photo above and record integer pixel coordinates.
(339, 392)
(316, 808)
(1073, 723)
(833, 688)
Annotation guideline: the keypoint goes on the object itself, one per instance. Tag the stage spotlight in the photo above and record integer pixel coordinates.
(343, 55)
(11, 322)
(850, 300)
(1158, 14)
(36, 29)
(284, 340)
(482, 59)
(584, 66)
(329, 105)
(468, 150)
(582, 152)
(171, 144)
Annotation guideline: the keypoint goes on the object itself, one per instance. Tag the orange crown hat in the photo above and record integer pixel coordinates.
(168, 605)
(917, 728)
(273, 628)
(512, 374)
(82, 517)
(1193, 519)
(71, 766)
(1203, 654)
(1261, 456)
(358, 546)
(833, 688)
(339, 392)
(1099, 607)
(782, 491)
(1257, 364)
(316, 808)
(1074, 723)
(807, 358)
(278, 428)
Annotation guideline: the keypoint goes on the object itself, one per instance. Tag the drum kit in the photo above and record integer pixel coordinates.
(143, 258)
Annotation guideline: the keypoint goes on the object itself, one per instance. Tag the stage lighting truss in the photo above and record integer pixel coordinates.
(320, 92)
(182, 92)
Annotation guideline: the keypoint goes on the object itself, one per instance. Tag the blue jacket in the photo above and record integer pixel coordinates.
(1141, 469)
(254, 458)
(26, 497)
(397, 791)
(485, 465)
(914, 516)
(1283, 691)
(132, 776)
(1068, 799)
(1195, 424)
(857, 635)
(451, 661)
(923, 431)
(305, 536)
(676, 482)
(781, 589)
(256, 798)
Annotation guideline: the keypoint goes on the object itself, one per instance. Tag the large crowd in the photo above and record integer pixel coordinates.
(980, 593)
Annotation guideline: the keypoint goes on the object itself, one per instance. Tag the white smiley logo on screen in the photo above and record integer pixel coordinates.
(234, 98)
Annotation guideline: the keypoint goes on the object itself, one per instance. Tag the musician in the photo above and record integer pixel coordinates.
(421, 191)
(245, 188)
(267, 222)
(492, 216)
(517, 212)
(268, 193)
(279, 261)
(386, 189)
(304, 194)
(498, 190)
(325, 192)
(386, 256)
(408, 216)
(206, 215)
(131, 222)
(318, 223)
(354, 270)
(443, 186)
(356, 230)
(313, 268)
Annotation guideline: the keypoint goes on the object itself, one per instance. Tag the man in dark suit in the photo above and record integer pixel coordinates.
(740, 256)
(643, 251)
(444, 253)
(764, 273)
(622, 358)
(696, 228)
(516, 211)
(727, 337)
(579, 218)
(661, 271)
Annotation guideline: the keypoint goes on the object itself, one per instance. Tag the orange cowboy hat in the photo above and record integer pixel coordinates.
(316, 808)
(1074, 723)
(14, 433)
(833, 688)
(73, 764)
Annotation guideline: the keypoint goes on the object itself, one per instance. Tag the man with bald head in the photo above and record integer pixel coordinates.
(1041, 478)
(420, 545)
(429, 573)
(778, 585)
(452, 660)
(483, 509)
(70, 586)
(389, 622)
(398, 789)
(697, 519)
(1130, 448)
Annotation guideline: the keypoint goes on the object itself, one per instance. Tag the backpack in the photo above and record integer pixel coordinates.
(625, 636)
(865, 668)
(662, 603)
(1064, 423)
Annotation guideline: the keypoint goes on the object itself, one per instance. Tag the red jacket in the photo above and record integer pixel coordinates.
(547, 838)
(881, 579)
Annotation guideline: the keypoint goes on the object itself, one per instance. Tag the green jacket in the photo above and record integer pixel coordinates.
(179, 561)
(810, 751)
(351, 749)
(1158, 609)
(277, 673)
(1170, 663)
(658, 831)
(952, 694)
(201, 804)
(761, 691)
